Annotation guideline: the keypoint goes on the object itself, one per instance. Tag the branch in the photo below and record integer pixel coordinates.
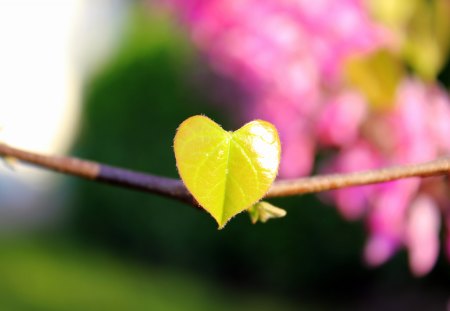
(175, 189)
(168, 187)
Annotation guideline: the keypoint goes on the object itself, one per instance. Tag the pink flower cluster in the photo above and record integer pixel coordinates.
(288, 55)
(401, 213)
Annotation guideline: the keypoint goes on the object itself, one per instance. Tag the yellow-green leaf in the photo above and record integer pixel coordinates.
(428, 38)
(394, 14)
(376, 75)
(226, 172)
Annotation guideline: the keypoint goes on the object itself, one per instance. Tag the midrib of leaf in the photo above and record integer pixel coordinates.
(228, 177)
(227, 171)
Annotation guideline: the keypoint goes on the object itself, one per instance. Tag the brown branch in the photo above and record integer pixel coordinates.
(285, 188)
(169, 187)
(175, 189)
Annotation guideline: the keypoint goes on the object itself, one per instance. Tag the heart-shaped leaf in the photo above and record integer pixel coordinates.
(226, 172)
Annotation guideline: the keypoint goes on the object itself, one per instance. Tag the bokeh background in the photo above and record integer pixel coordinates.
(111, 81)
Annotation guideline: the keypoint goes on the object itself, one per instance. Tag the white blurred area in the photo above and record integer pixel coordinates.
(48, 49)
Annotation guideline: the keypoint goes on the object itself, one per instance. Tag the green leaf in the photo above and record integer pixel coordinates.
(226, 172)
(394, 14)
(428, 38)
(376, 75)
(422, 29)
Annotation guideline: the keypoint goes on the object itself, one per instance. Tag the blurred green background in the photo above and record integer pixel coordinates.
(123, 250)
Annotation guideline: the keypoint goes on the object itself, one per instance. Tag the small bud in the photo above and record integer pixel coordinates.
(263, 211)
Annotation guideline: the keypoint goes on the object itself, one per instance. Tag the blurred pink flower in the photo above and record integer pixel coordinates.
(413, 131)
(379, 249)
(288, 57)
(285, 54)
(386, 220)
(422, 234)
(339, 121)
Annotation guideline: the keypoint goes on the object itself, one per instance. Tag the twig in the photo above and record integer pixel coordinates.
(175, 189)
(169, 187)
(285, 188)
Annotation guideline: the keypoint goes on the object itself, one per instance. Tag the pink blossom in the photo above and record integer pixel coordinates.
(379, 249)
(422, 235)
(410, 124)
(386, 221)
(413, 131)
(438, 118)
(339, 121)
(284, 53)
